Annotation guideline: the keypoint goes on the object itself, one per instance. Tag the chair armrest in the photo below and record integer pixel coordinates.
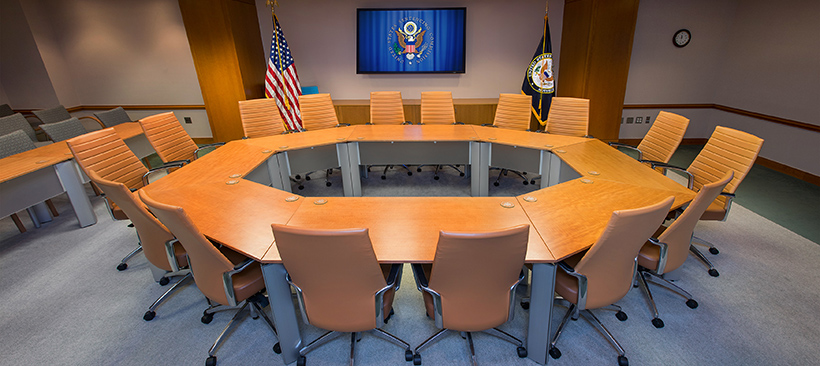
(589, 136)
(488, 125)
(241, 266)
(418, 274)
(658, 164)
(102, 126)
(630, 147)
(407, 123)
(458, 123)
(215, 144)
(662, 255)
(165, 167)
(343, 125)
(368, 124)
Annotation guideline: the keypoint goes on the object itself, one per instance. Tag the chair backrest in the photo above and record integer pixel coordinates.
(437, 108)
(727, 150)
(153, 235)
(52, 115)
(64, 130)
(14, 142)
(208, 264)
(679, 234)
(168, 138)
(338, 273)
(664, 137)
(513, 111)
(113, 117)
(386, 108)
(14, 122)
(260, 117)
(568, 116)
(473, 273)
(104, 152)
(609, 265)
(5, 110)
(317, 111)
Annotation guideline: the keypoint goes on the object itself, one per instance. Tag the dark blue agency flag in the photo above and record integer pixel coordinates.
(539, 82)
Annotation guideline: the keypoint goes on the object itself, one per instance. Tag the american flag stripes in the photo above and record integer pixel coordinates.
(282, 81)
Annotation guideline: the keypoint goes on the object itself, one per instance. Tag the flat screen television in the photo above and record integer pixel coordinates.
(394, 41)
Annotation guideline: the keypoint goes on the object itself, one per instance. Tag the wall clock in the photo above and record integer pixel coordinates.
(682, 38)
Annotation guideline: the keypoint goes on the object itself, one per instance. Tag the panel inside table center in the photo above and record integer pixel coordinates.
(413, 133)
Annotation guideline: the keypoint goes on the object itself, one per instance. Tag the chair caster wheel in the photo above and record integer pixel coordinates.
(435, 177)
(495, 184)
(211, 361)
(522, 352)
(277, 348)
(713, 272)
(297, 176)
(408, 355)
(621, 316)
(714, 250)
(164, 281)
(409, 173)
(417, 359)
(460, 174)
(122, 266)
(555, 353)
(658, 323)
(384, 177)
(301, 361)
(206, 318)
(307, 177)
(622, 361)
(301, 187)
(525, 305)
(328, 184)
(532, 182)
(691, 303)
(131, 225)
(149, 315)
(526, 183)
(418, 170)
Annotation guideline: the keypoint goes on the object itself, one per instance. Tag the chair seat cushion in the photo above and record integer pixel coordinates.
(117, 212)
(715, 212)
(248, 282)
(650, 254)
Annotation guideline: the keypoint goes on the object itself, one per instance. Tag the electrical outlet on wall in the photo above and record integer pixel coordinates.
(647, 119)
(638, 120)
(629, 120)
(188, 120)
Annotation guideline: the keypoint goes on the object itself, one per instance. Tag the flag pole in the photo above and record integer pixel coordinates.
(543, 46)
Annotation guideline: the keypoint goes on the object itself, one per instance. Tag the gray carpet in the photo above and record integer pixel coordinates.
(64, 303)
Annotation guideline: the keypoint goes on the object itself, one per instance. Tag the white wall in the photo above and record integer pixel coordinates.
(754, 55)
(501, 39)
(108, 52)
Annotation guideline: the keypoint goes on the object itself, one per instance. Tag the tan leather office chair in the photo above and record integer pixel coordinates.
(662, 139)
(260, 118)
(104, 152)
(339, 283)
(13, 143)
(472, 283)
(671, 248)
(603, 274)
(513, 113)
(387, 108)
(437, 109)
(727, 150)
(161, 248)
(228, 279)
(568, 117)
(318, 113)
(170, 140)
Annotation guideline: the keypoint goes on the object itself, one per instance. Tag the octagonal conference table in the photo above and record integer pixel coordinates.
(31, 177)
(231, 195)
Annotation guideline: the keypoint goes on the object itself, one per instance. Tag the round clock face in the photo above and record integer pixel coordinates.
(682, 38)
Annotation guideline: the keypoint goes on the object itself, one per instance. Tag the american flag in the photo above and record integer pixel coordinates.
(282, 81)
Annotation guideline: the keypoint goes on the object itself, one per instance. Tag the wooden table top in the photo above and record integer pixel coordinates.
(539, 141)
(570, 216)
(413, 133)
(406, 229)
(301, 140)
(45, 156)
